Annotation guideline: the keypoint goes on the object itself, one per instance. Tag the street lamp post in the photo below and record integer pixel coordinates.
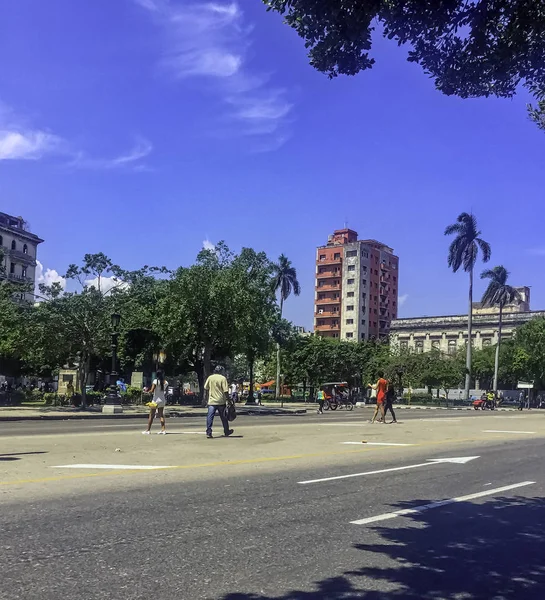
(400, 382)
(112, 404)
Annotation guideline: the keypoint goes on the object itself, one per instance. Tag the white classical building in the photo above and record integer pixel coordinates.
(19, 248)
(449, 333)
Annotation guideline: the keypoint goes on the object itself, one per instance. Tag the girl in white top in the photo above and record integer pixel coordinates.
(158, 388)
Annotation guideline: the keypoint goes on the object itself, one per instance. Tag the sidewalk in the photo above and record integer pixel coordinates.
(61, 413)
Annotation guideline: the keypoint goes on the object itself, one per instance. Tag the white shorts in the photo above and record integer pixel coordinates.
(160, 403)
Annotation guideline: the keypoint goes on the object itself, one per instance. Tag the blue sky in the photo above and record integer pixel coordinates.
(142, 128)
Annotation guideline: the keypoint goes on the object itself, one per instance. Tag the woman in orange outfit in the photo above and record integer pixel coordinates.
(381, 386)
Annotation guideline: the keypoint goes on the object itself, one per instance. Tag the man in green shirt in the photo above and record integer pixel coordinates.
(216, 389)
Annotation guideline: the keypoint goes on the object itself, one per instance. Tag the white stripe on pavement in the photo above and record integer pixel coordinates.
(418, 509)
(113, 467)
(449, 419)
(456, 460)
(377, 443)
(504, 431)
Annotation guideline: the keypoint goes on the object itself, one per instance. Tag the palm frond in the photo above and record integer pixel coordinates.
(456, 254)
(498, 292)
(485, 249)
(470, 256)
(285, 278)
(488, 274)
(454, 228)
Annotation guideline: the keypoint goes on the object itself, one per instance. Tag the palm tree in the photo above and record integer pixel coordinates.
(463, 252)
(285, 280)
(498, 293)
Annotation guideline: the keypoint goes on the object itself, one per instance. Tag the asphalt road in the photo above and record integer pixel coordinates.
(244, 533)
(86, 425)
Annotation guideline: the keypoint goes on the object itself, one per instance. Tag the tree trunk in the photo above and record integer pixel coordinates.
(469, 336)
(278, 390)
(206, 369)
(497, 357)
(199, 371)
(83, 371)
(251, 390)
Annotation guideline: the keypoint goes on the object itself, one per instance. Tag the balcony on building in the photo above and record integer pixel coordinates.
(327, 327)
(325, 313)
(328, 300)
(329, 287)
(19, 278)
(329, 261)
(20, 256)
(328, 275)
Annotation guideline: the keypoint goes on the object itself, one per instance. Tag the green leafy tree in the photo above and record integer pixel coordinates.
(197, 312)
(537, 114)
(74, 327)
(498, 293)
(463, 252)
(529, 356)
(483, 366)
(470, 49)
(284, 281)
(406, 368)
(255, 310)
(14, 330)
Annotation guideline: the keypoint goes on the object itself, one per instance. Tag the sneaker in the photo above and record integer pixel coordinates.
(208, 436)
(162, 432)
(145, 432)
(230, 432)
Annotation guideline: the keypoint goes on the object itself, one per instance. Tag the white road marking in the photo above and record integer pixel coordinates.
(113, 467)
(418, 509)
(357, 424)
(449, 419)
(510, 417)
(457, 460)
(376, 443)
(504, 431)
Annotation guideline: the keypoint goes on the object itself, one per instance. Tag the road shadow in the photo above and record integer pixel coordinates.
(489, 551)
(17, 455)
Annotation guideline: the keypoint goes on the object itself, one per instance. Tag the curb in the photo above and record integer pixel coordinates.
(416, 407)
(143, 415)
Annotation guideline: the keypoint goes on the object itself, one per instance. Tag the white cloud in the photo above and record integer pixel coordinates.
(208, 245)
(131, 159)
(27, 145)
(106, 284)
(402, 299)
(47, 277)
(210, 41)
(19, 141)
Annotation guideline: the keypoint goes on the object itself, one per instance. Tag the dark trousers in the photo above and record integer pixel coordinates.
(212, 410)
(389, 406)
(321, 405)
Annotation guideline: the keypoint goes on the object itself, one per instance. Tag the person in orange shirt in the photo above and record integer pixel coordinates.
(381, 386)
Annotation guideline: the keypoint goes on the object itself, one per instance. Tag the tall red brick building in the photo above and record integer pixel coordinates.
(356, 287)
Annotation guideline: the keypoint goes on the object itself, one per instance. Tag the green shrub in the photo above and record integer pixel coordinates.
(94, 397)
(133, 395)
(50, 398)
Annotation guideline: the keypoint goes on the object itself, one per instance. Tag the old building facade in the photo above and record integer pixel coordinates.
(19, 248)
(449, 333)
